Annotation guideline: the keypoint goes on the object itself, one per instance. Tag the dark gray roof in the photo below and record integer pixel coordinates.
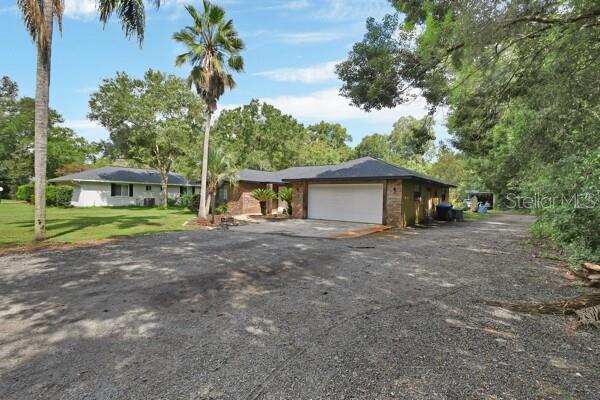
(123, 174)
(363, 168)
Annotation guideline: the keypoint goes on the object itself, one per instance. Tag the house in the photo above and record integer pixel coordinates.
(120, 186)
(363, 190)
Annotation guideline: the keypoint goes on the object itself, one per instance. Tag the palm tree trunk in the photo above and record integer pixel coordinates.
(202, 210)
(42, 102)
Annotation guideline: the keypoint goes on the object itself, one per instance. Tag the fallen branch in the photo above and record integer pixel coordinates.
(566, 306)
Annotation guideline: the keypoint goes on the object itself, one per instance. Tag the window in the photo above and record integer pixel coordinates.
(193, 189)
(182, 190)
(418, 193)
(121, 190)
(148, 188)
(222, 195)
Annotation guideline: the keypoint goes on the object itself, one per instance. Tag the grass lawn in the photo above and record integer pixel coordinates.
(76, 224)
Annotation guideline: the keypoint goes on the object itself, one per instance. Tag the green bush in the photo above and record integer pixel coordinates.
(194, 204)
(572, 220)
(222, 209)
(62, 195)
(185, 200)
(59, 196)
(50, 195)
(25, 192)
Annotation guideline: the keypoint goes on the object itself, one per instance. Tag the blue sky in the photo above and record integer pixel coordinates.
(291, 48)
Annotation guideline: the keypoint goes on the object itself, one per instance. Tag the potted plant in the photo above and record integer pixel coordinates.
(263, 195)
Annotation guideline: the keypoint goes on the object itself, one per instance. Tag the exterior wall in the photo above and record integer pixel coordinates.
(417, 211)
(299, 199)
(393, 203)
(240, 200)
(399, 205)
(97, 194)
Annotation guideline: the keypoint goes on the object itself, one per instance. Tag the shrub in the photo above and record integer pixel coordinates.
(25, 192)
(185, 200)
(263, 195)
(222, 209)
(50, 195)
(194, 204)
(286, 195)
(62, 195)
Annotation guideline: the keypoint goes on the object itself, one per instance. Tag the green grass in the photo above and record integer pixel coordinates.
(68, 225)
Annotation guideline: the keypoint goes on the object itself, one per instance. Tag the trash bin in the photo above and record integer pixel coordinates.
(457, 215)
(149, 202)
(444, 212)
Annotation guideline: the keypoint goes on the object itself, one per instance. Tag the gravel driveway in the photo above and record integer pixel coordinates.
(232, 315)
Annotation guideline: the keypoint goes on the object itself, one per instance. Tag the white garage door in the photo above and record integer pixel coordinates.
(346, 202)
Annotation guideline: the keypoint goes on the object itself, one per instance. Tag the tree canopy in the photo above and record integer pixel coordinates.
(151, 121)
(17, 137)
(519, 80)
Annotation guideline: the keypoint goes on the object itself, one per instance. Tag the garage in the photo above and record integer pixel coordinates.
(359, 202)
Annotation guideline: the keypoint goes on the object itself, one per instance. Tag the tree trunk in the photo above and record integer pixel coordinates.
(42, 102)
(211, 207)
(164, 186)
(202, 209)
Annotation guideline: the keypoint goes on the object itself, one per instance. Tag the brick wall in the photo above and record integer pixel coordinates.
(298, 198)
(393, 211)
(241, 200)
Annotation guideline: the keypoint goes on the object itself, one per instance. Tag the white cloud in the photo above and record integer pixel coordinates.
(80, 9)
(329, 105)
(311, 37)
(314, 74)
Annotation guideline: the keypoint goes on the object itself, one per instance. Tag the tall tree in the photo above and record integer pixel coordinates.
(39, 16)
(519, 79)
(213, 50)
(151, 122)
(17, 121)
(258, 135)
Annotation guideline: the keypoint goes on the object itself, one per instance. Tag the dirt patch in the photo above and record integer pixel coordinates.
(37, 247)
(362, 232)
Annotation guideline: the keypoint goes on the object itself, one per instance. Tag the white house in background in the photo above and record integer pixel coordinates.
(120, 186)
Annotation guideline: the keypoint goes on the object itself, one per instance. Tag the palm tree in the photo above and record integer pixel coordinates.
(220, 170)
(39, 16)
(213, 50)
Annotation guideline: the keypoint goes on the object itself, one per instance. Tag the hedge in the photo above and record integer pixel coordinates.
(59, 196)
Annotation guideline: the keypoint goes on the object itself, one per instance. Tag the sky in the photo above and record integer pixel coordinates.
(292, 47)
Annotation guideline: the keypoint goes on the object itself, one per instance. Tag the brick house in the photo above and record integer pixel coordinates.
(362, 190)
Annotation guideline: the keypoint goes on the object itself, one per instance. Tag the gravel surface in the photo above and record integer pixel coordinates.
(231, 315)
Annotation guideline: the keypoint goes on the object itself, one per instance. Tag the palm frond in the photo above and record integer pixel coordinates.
(131, 13)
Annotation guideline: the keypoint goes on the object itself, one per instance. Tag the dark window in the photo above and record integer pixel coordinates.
(193, 189)
(417, 192)
(182, 190)
(121, 190)
(148, 188)
(222, 195)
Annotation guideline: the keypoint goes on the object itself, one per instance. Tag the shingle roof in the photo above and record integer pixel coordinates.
(123, 174)
(361, 168)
